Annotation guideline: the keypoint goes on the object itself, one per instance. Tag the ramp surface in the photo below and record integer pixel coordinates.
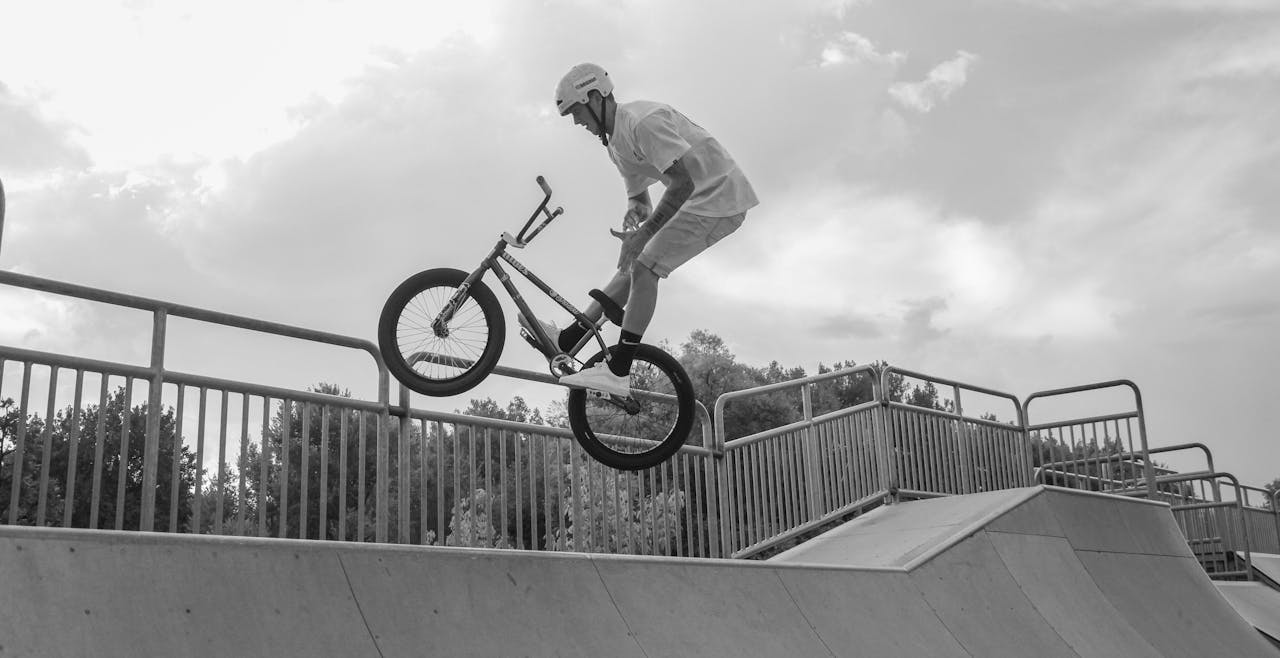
(1267, 565)
(1038, 571)
(1257, 603)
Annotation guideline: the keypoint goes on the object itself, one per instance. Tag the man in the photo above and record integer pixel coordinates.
(706, 198)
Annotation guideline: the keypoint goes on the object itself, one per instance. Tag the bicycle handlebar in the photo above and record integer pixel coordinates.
(521, 238)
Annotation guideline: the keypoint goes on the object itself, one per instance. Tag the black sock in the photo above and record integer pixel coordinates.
(570, 336)
(623, 353)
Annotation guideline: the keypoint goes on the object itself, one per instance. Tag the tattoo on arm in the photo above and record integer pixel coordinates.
(679, 191)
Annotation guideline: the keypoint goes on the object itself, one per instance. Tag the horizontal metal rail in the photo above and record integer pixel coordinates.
(764, 435)
(1105, 418)
(190, 312)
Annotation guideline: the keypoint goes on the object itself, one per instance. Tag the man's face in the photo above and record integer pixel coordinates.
(582, 117)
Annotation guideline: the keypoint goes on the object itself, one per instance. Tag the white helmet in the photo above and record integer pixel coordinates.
(578, 82)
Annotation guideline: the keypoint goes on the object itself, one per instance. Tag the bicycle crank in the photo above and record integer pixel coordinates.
(628, 404)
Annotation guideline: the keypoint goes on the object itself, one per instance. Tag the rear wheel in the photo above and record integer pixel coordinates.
(447, 359)
(643, 429)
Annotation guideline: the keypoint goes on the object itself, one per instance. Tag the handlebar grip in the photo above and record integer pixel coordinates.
(546, 189)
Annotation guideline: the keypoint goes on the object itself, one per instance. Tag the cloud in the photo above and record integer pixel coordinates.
(847, 327)
(850, 47)
(1250, 311)
(944, 80)
(28, 316)
(34, 142)
(917, 322)
(1078, 214)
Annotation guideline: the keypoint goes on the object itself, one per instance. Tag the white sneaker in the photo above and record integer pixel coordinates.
(599, 378)
(552, 331)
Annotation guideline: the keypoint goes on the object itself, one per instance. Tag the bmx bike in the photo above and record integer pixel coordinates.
(442, 330)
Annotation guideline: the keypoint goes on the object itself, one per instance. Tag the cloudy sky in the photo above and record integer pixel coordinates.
(1018, 194)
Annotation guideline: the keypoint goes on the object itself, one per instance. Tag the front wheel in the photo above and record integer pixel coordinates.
(435, 358)
(644, 429)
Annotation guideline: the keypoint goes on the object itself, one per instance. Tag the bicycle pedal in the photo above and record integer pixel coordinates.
(612, 311)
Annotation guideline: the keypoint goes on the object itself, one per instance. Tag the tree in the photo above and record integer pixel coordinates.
(92, 431)
(714, 371)
(343, 509)
(515, 478)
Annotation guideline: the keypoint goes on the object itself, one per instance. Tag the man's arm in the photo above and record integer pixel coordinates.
(679, 189)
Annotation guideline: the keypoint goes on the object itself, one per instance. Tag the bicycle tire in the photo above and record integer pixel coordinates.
(654, 431)
(463, 357)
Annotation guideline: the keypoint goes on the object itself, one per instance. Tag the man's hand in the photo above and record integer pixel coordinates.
(637, 212)
(633, 242)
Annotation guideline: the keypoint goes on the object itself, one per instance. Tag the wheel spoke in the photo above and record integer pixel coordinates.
(643, 429)
(434, 357)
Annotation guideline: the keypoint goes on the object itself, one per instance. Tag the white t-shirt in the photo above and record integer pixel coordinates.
(648, 137)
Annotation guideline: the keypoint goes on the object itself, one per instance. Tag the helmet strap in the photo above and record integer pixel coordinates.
(604, 130)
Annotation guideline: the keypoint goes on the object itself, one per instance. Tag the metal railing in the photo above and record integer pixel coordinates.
(207, 455)
(945, 451)
(670, 509)
(1222, 530)
(781, 483)
(1262, 521)
(1095, 453)
(156, 377)
(142, 447)
(1216, 530)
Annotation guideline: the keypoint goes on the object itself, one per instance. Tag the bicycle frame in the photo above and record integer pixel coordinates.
(547, 344)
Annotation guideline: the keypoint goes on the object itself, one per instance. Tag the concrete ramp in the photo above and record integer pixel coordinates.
(1068, 572)
(1040, 572)
(1266, 565)
(1258, 604)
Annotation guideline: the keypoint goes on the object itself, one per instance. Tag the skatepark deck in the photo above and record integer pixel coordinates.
(1037, 571)
(1267, 566)
(1257, 603)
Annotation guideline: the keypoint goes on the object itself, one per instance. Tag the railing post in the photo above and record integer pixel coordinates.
(880, 441)
(1244, 529)
(967, 480)
(717, 505)
(403, 484)
(383, 502)
(720, 466)
(1028, 459)
(813, 488)
(1148, 469)
(151, 452)
(883, 436)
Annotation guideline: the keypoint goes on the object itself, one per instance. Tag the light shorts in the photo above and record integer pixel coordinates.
(684, 237)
